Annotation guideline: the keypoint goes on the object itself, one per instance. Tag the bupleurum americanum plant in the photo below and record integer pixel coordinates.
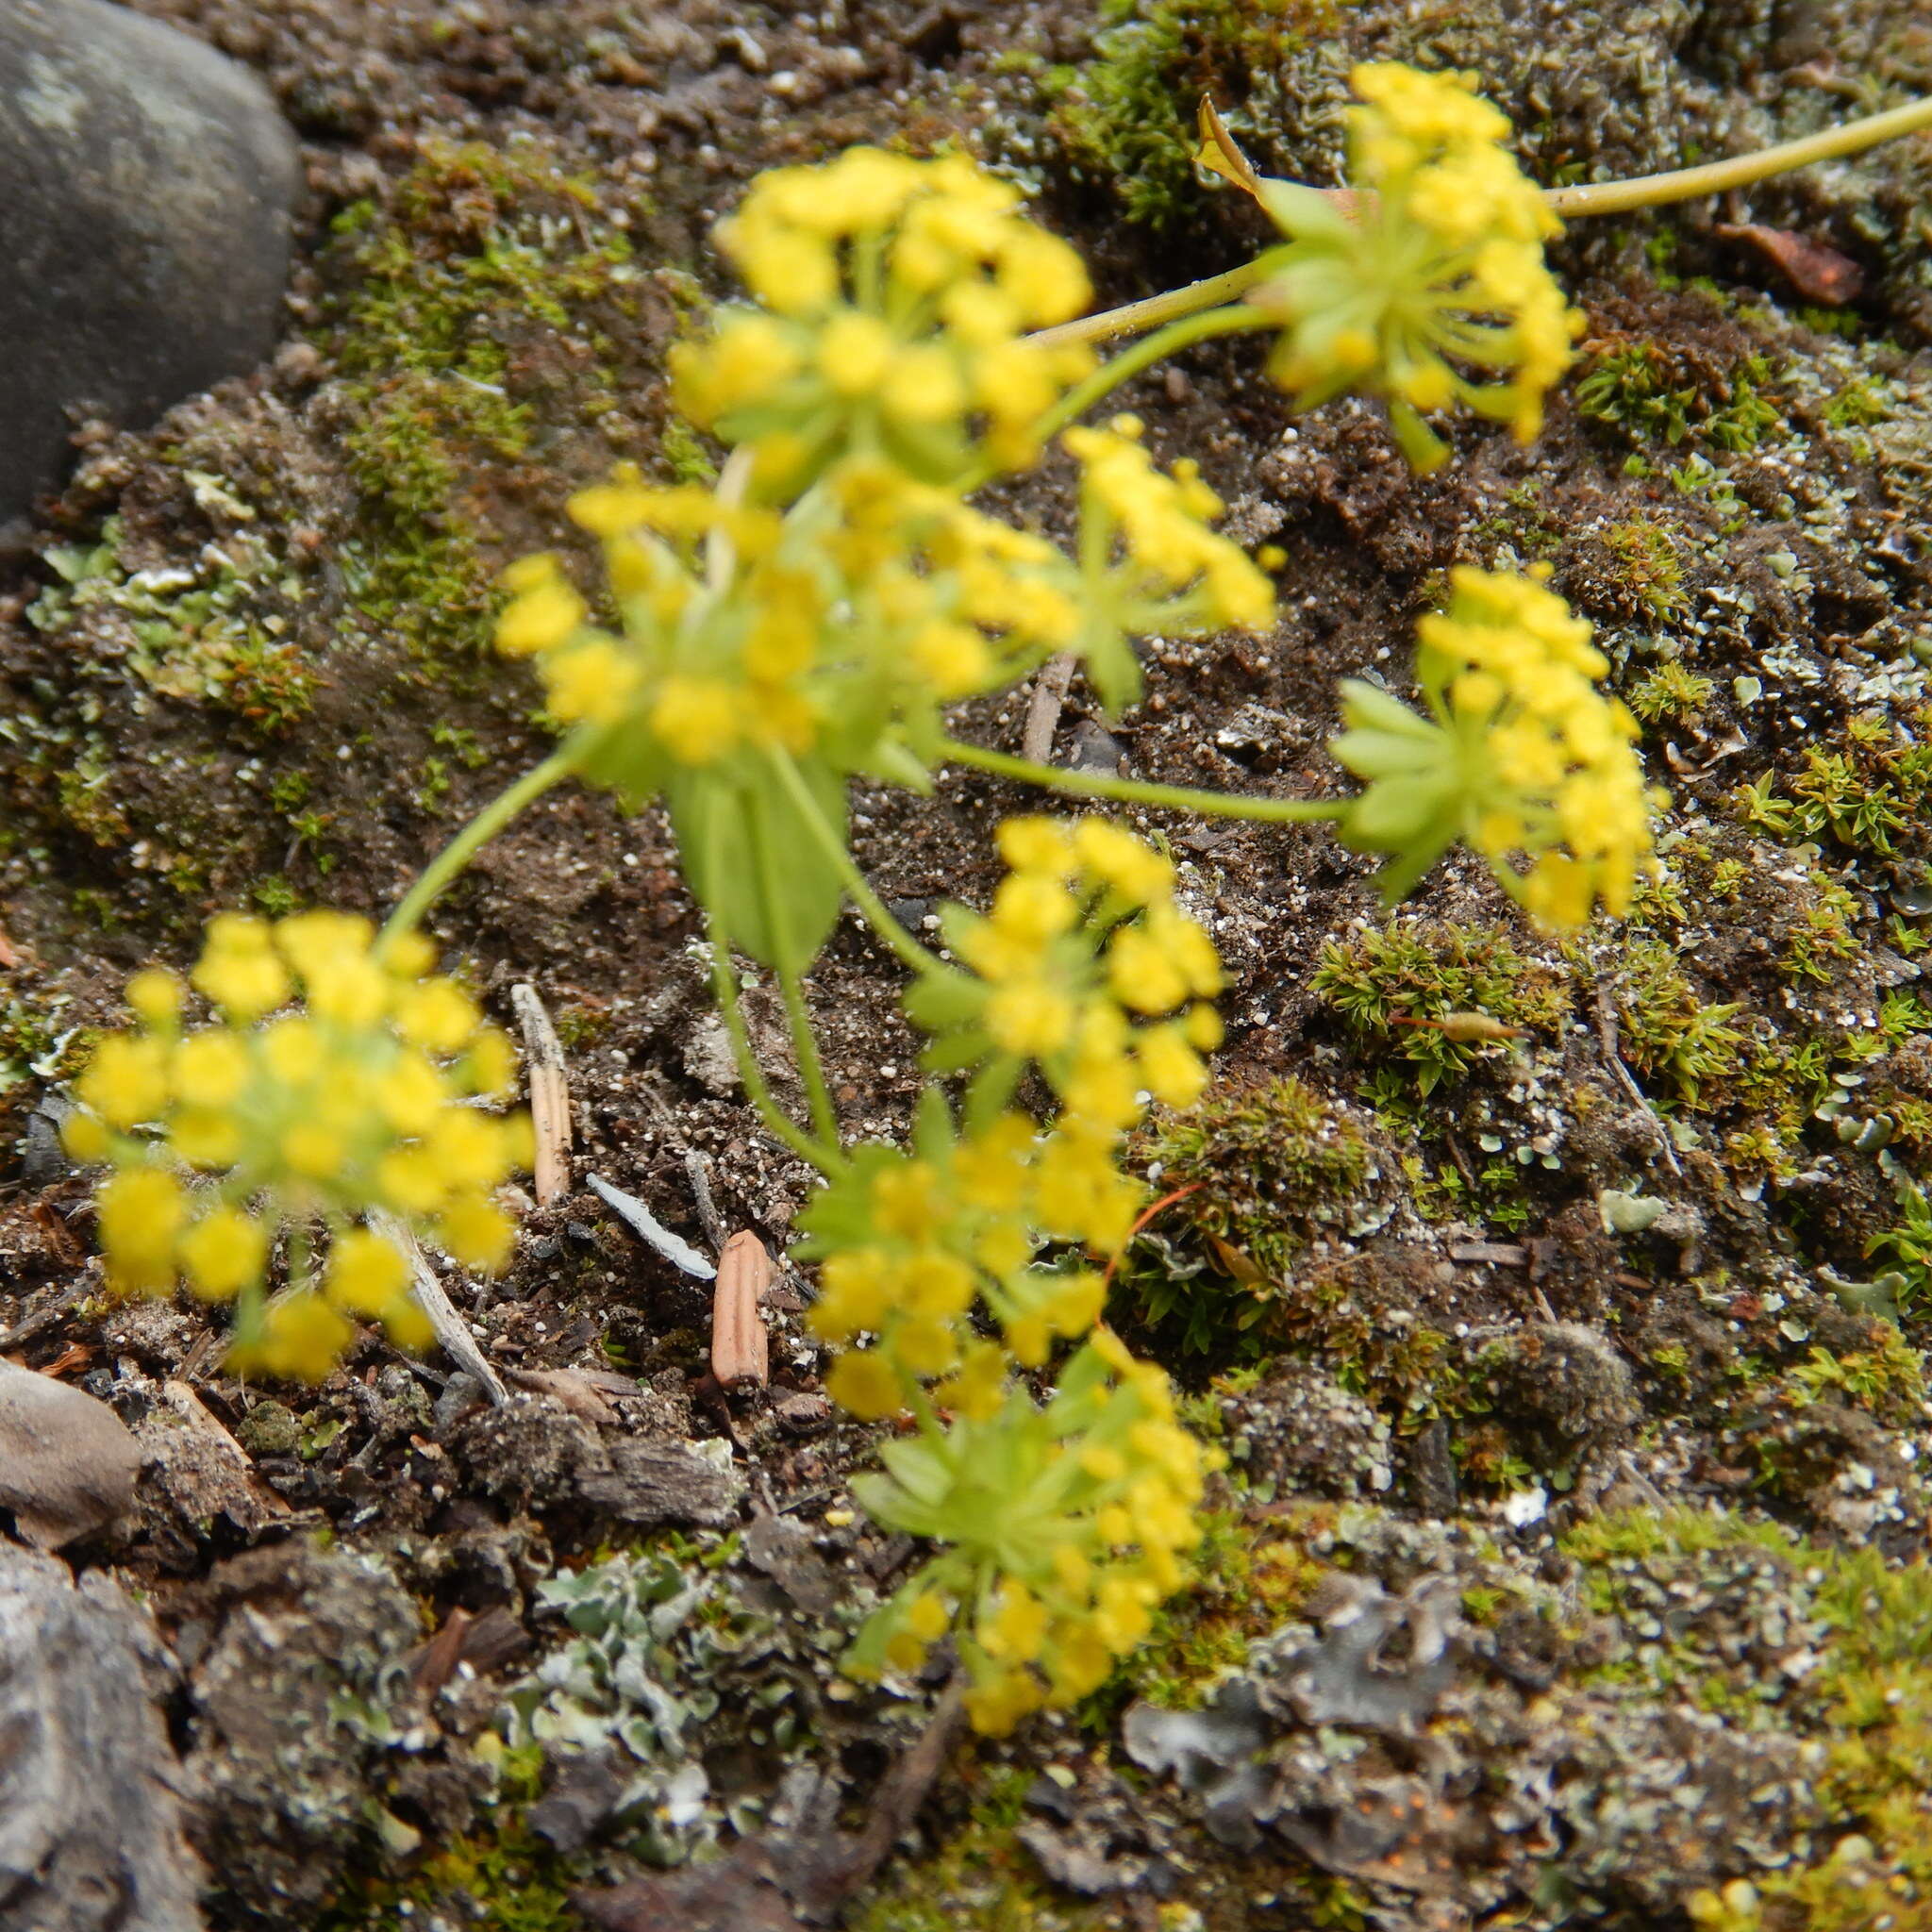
(759, 645)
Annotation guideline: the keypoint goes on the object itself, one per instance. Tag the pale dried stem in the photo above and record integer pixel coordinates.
(549, 1094)
(1043, 714)
(452, 1331)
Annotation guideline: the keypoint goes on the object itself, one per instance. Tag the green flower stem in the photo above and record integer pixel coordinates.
(783, 1127)
(1741, 171)
(1155, 310)
(1224, 805)
(869, 903)
(1591, 198)
(811, 1070)
(1163, 342)
(470, 841)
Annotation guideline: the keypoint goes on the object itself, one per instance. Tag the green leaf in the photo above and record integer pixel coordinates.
(623, 760)
(1367, 706)
(757, 866)
(1110, 663)
(1304, 214)
(943, 1000)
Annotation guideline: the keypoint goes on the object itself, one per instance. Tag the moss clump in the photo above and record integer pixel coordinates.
(482, 296)
(1670, 691)
(1656, 391)
(1653, 578)
(1129, 113)
(1871, 796)
(1863, 1705)
(980, 1879)
(1667, 1031)
(498, 1876)
(1386, 981)
(1246, 1586)
(1257, 1172)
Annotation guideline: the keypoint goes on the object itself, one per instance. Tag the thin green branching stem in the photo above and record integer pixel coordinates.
(1223, 805)
(1588, 198)
(724, 993)
(805, 1044)
(857, 886)
(1155, 348)
(470, 841)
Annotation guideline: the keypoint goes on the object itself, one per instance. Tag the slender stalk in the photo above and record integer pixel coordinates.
(1741, 171)
(1163, 342)
(1224, 805)
(811, 1070)
(859, 889)
(1155, 310)
(470, 841)
(725, 991)
(1591, 198)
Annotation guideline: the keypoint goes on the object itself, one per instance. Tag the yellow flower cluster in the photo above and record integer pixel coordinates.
(1068, 1525)
(1521, 669)
(876, 599)
(1522, 754)
(1152, 563)
(696, 675)
(1083, 940)
(913, 1242)
(1438, 268)
(331, 1087)
(896, 297)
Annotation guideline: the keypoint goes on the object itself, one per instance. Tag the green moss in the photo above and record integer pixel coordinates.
(470, 299)
(1667, 1031)
(1864, 796)
(1670, 691)
(1257, 1172)
(684, 452)
(1654, 392)
(1129, 112)
(980, 1879)
(1864, 1707)
(1413, 971)
(1246, 1586)
(499, 1875)
(1652, 576)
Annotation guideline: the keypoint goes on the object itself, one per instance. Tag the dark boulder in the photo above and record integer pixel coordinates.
(147, 185)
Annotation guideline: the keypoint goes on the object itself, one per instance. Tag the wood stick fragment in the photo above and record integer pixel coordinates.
(452, 1331)
(549, 1094)
(1050, 686)
(739, 1349)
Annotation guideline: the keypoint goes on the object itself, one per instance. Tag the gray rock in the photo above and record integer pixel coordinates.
(147, 185)
(67, 1461)
(90, 1809)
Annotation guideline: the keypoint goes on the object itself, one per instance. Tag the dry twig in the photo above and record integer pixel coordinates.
(1043, 714)
(452, 1331)
(549, 1094)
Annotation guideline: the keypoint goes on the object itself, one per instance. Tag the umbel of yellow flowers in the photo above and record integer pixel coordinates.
(1437, 270)
(1519, 754)
(896, 297)
(332, 1084)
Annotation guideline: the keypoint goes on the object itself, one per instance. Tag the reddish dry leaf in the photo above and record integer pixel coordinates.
(1817, 271)
(8, 958)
